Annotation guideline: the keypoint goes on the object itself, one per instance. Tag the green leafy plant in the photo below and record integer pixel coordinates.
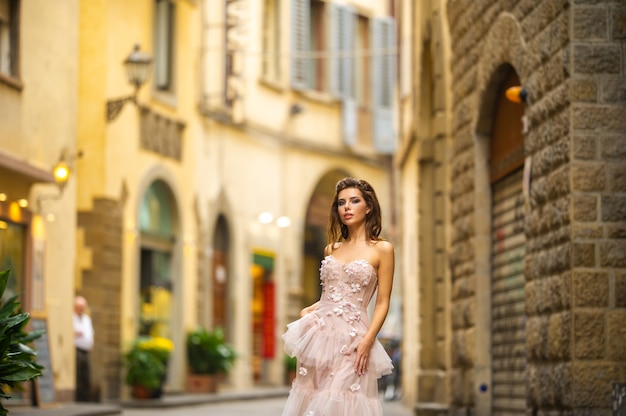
(17, 359)
(146, 362)
(208, 352)
(290, 363)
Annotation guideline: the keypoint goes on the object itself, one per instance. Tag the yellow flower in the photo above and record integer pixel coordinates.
(156, 344)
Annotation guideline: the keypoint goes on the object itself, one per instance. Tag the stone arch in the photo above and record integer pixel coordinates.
(503, 51)
(503, 45)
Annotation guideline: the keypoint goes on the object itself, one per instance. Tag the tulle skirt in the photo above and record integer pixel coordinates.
(326, 385)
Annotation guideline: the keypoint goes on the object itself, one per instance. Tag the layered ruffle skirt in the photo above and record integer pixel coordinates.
(324, 345)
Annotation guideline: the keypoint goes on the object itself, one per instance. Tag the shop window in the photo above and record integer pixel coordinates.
(157, 248)
(155, 292)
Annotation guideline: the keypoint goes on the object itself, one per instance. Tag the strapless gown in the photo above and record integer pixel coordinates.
(324, 343)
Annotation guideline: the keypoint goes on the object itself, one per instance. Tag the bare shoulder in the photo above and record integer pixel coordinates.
(384, 253)
(384, 248)
(330, 248)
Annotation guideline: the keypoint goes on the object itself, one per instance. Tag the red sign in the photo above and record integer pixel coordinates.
(269, 343)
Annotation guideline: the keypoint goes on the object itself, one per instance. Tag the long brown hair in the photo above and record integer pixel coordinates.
(337, 231)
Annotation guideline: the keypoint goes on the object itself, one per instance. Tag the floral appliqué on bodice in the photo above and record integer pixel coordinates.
(349, 286)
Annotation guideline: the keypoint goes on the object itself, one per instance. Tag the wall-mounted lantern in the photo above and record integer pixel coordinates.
(137, 70)
(62, 173)
(517, 94)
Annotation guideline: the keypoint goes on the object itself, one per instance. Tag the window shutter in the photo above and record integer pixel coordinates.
(342, 41)
(349, 44)
(383, 83)
(335, 62)
(300, 43)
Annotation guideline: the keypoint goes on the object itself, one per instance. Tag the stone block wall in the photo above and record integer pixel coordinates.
(571, 57)
(101, 284)
(597, 93)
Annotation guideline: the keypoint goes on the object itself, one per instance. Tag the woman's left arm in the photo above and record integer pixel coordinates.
(385, 284)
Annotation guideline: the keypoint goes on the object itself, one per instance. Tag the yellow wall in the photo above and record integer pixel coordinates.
(37, 122)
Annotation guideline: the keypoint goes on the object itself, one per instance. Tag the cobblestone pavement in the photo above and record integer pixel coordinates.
(260, 407)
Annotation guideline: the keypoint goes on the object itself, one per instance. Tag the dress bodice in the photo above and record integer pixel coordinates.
(349, 286)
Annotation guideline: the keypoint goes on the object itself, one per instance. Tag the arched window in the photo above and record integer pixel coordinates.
(156, 224)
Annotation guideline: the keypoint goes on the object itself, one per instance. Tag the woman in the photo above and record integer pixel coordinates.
(339, 357)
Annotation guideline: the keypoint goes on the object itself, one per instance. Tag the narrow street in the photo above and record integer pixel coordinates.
(261, 407)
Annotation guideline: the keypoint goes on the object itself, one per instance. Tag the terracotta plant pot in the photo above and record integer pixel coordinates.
(201, 383)
(142, 392)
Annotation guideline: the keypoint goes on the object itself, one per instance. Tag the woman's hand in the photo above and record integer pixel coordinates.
(308, 309)
(361, 362)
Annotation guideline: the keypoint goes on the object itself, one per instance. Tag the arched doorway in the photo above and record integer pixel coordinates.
(503, 122)
(158, 225)
(315, 234)
(220, 277)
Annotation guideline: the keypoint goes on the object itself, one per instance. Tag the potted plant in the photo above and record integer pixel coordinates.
(146, 366)
(208, 357)
(290, 369)
(17, 360)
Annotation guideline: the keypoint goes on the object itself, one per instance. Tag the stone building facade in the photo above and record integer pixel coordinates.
(532, 265)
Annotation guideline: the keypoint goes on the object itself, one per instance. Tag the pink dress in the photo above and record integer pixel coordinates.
(324, 343)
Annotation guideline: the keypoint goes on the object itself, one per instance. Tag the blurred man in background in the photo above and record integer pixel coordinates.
(83, 340)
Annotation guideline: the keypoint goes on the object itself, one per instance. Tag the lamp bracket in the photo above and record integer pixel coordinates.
(47, 197)
(114, 107)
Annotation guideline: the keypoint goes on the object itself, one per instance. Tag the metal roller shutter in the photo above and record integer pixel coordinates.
(507, 290)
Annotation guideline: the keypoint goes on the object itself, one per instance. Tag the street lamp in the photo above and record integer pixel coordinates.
(137, 70)
(61, 172)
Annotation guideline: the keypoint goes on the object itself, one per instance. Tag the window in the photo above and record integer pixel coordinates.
(300, 21)
(163, 44)
(342, 35)
(318, 63)
(383, 82)
(271, 41)
(362, 63)
(156, 269)
(341, 63)
(308, 45)
(9, 30)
